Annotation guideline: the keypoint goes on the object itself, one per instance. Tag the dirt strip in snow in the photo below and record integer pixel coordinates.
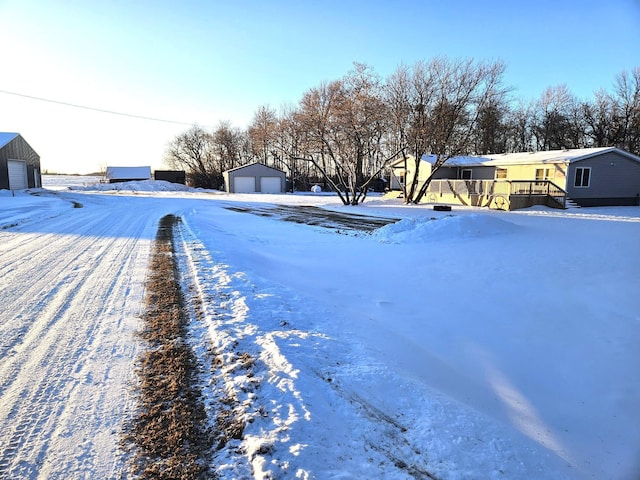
(169, 434)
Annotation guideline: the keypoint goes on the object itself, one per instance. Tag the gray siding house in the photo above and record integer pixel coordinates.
(19, 163)
(254, 178)
(604, 176)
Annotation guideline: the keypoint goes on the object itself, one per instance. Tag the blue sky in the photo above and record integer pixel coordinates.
(207, 61)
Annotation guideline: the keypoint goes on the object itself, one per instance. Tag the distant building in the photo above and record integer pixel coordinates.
(173, 176)
(19, 163)
(128, 174)
(255, 178)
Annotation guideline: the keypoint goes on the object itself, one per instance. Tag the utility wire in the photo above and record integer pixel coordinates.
(100, 109)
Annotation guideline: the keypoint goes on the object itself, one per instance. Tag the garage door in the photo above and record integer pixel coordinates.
(17, 174)
(270, 185)
(244, 184)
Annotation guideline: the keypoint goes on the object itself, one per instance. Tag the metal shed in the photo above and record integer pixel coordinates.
(19, 163)
(254, 178)
(173, 176)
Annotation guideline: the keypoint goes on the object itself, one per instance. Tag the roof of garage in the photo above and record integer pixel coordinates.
(122, 173)
(254, 164)
(6, 137)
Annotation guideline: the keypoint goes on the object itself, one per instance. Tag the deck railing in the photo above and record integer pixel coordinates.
(539, 187)
(494, 188)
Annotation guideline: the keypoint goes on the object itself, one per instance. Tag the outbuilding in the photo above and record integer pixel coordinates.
(173, 176)
(254, 178)
(128, 174)
(19, 163)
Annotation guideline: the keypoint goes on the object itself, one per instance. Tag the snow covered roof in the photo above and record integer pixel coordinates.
(6, 137)
(123, 173)
(251, 165)
(520, 158)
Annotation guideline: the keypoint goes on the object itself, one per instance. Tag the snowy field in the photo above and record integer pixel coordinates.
(470, 344)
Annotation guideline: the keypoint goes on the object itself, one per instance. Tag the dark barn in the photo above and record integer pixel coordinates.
(173, 176)
(19, 163)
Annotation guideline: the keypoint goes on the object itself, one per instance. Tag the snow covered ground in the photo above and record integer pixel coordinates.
(470, 344)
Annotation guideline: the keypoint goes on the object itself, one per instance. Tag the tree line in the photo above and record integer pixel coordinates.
(344, 133)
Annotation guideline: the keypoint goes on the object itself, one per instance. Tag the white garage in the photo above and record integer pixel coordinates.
(255, 178)
(244, 184)
(270, 185)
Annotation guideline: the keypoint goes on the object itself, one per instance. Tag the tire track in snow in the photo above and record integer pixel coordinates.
(31, 290)
(13, 248)
(45, 297)
(61, 300)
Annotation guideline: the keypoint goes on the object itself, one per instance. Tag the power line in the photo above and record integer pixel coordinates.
(94, 109)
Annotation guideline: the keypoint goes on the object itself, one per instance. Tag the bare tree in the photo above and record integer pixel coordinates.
(192, 151)
(576, 125)
(491, 132)
(288, 142)
(230, 147)
(360, 122)
(397, 92)
(519, 128)
(262, 135)
(627, 97)
(345, 122)
(599, 117)
(552, 124)
(444, 102)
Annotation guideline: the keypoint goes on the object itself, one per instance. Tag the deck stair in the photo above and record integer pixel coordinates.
(570, 203)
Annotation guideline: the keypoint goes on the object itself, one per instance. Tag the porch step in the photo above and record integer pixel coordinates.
(571, 204)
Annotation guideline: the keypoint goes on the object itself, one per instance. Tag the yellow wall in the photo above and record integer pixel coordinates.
(399, 171)
(557, 172)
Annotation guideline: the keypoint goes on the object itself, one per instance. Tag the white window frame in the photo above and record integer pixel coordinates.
(575, 177)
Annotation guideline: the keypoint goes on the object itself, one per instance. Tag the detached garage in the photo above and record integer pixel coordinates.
(254, 178)
(19, 163)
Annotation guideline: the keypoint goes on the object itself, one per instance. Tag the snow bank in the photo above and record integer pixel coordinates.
(421, 229)
(64, 182)
(137, 186)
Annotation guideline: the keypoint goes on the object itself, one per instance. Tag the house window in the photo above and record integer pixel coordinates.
(466, 174)
(583, 177)
(501, 173)
(543, 173)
